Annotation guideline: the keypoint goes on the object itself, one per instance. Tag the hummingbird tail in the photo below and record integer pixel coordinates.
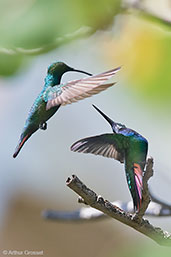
(135, 185)
(138, 173)
(21, 143)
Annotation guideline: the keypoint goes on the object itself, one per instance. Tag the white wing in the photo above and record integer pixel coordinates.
(80, 89)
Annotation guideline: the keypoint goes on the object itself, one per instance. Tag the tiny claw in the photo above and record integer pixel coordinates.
(136, 218)
(43, 126)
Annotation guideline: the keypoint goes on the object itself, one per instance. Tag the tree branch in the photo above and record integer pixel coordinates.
(80, 33)
(143, 226)
(138, 9)
(100, 205)
(163, 204)
(156, 208)
(85, 214)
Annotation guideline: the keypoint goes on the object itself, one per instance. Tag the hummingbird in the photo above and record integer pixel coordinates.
(55, 94)
(124, 145)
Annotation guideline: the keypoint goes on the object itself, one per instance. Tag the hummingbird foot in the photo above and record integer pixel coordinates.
(43, 126)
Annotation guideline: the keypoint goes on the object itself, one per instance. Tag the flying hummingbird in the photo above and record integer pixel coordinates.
(55, 94)
(124, 145)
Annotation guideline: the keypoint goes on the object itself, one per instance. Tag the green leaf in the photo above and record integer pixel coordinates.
(37, 26)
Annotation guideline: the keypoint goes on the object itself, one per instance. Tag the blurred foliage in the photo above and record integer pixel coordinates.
(34, 27)
(144, 50)
(35, 24)
(43, 21)
(144, 249)
(9, 64)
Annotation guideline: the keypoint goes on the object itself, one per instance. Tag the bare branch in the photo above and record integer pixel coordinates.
(102, 208)
(138, 9)
(154, 208)
(160, 202)
(143, 226)
(85, 214)
(80, 33)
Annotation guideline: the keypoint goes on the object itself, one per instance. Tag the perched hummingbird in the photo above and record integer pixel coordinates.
(55, 94)
(124, 145)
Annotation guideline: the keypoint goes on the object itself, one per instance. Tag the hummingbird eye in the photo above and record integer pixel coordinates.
(119, 126)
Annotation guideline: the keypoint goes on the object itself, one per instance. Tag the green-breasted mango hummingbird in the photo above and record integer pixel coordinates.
(55, 94)
(124, 145)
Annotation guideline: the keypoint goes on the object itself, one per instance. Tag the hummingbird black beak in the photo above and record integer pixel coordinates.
(111, 122)
(82, 72)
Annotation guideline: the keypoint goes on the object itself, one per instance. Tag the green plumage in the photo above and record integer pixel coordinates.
(124, 145)
(39, 114)
(55, 94)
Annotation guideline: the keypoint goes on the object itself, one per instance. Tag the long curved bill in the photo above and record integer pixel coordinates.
(111, 122)
(82, 72)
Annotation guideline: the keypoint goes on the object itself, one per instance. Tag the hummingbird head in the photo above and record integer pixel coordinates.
(59, 68)
(115, 126)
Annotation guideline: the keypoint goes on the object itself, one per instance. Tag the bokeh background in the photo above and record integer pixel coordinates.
(92, 36)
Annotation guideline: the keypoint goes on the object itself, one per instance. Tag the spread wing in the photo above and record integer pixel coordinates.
(79, 89)
(107, 145)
